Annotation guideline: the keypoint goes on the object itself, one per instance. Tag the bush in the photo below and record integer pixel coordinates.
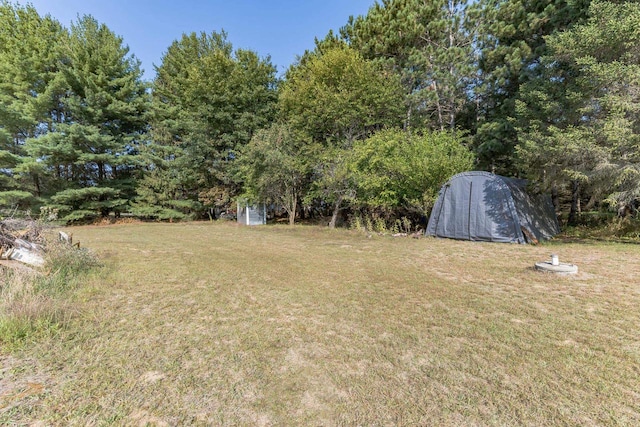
(397, 171)
(66, 265)
(620, 229)
(372, 222)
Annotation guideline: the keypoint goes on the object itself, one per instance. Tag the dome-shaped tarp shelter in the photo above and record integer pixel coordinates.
(481, 206)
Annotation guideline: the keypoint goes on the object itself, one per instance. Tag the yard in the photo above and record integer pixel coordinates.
(217, 324)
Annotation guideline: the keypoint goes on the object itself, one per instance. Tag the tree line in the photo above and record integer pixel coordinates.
(370, 122)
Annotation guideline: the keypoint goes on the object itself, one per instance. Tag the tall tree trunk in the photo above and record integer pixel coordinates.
(407, 123)
(336, 211)
(36, 182)
(591, 203)
(211, 212)
(452, 101)
(292, 210)
(438, 106)
(575, 203)
(555, 199)
(302, 215)
(452, 114)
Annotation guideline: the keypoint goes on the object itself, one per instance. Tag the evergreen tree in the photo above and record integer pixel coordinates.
(92, 144)
(430, 44)
(512, 41)
(586, 135)
(208, 101)
(29, 55)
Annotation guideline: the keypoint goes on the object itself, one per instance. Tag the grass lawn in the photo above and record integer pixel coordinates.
(216, 324)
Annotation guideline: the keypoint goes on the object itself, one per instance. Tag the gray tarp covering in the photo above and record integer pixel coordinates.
(481, 206)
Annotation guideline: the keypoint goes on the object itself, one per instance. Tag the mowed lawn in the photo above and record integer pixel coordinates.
(218, 324)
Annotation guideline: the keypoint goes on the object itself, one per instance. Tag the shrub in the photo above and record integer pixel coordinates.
(395, 170)
(65, 265)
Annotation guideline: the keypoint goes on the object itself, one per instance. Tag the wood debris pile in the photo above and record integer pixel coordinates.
(22, 240)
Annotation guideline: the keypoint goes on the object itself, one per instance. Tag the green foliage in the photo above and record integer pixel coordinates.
(67, 266)
(609, 228)
(429, 44)
(159, 213)
(588, 132)
(208, 101)
(95, 125)
(544, 83)
(398, 170)
(333, 181)
(336, 97)
(87, 203)
(29, 55)
(16, 199)
(275, 167)
(512, 40)
(374, 222)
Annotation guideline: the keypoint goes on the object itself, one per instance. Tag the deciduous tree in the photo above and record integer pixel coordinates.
(337, 97)
(396, 170)
(275, 167)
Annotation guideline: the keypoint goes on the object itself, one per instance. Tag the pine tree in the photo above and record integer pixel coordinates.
(92, 144)
(29, 54)
(208, 101)
(580, 124)
(430, 44)
(512, 41)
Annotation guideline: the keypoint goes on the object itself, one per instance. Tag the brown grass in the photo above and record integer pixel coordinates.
(25, 313)
(215, 324)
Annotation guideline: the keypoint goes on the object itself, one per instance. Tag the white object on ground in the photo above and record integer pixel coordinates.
(64, 237)
(561, 268)
(25, 256)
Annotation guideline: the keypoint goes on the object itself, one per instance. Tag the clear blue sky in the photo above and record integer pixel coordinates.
(282, 29)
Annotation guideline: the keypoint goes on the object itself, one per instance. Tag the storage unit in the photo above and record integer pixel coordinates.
(251, 213)
(481, 206)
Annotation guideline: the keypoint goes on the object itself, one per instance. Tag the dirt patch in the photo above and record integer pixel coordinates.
(143, 418)
(152, 377)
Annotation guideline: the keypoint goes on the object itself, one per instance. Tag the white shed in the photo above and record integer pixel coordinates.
(251, 213)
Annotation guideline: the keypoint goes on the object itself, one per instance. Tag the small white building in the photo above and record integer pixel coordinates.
(251, 214)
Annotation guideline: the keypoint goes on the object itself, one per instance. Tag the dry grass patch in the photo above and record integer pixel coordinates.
(215, 324)
(36, 301)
